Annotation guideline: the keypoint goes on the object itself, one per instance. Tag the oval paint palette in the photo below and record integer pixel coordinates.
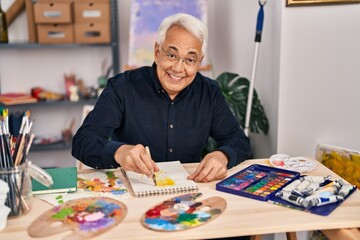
(298, 164)
(86, 217)
(183, 212)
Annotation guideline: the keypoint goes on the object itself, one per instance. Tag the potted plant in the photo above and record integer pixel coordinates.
(235, 90)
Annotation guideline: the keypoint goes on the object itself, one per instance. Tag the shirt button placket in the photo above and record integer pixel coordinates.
(170, 149)
(171, 131)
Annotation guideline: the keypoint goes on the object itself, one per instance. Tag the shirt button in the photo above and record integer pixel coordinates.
(172, 103)
(162, 90)
(171, 126)
(170, 150)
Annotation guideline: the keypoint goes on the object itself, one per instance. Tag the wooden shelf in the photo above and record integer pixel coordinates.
(26, 45)
(50, 147)
(82, 102)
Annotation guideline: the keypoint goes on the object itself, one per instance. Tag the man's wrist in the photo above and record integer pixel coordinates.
(223, 156)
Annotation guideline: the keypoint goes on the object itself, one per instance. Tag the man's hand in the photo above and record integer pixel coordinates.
(211, 168)
(136, 159)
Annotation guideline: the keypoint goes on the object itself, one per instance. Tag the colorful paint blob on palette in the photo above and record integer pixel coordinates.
(90, 215)
(87, 217)
(183, 212)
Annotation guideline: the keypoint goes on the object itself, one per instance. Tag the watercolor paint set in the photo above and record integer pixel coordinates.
(257, 181)
(315, 194)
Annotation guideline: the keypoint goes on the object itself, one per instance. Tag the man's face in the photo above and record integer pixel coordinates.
(175, 74)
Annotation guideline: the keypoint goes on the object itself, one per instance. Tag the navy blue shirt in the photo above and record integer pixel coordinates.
(134, 109)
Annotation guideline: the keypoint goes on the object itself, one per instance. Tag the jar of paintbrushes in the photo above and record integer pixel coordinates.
(14, 164)
(19, 195)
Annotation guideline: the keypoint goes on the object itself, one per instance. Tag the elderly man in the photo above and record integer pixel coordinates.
(169, 107)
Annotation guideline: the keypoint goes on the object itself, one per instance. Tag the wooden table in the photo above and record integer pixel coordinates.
(243, 216)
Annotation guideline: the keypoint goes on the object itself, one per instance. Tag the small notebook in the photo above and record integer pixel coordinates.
(65, 180)
(172, 178)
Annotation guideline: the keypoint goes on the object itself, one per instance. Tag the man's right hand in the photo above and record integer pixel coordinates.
(135, 158)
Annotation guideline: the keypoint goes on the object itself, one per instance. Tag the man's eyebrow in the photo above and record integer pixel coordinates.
(189, 53)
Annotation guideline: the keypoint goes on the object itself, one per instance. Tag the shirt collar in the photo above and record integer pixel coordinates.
(155, 78)
(158, 86)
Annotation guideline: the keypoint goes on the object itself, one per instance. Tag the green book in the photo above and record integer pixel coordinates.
(65, 180)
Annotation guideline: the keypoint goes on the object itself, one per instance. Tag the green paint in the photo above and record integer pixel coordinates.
(186, 217)
(59, 199)
(63, 213)
(110, 174)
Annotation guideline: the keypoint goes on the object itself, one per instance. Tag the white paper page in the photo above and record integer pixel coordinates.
(143, 185)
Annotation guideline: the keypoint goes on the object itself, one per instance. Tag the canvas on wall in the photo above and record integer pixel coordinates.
(345, 162)
(145, 18)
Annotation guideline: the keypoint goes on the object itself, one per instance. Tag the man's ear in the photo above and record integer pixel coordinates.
(156, 51)
(202, 58)
(156, 48)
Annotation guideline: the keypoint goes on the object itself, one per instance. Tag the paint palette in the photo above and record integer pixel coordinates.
(86, 217)
(183, 212)
(298, 164)
(257, 181)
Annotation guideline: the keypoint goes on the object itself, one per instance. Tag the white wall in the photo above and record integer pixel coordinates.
(319, 84)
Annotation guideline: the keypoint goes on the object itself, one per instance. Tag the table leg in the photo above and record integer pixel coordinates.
(256, 237)
(291, 236)
(342, 234)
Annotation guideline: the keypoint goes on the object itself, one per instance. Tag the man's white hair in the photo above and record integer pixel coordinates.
(189, 22)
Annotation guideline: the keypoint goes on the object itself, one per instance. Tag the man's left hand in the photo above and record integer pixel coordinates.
(211, 168)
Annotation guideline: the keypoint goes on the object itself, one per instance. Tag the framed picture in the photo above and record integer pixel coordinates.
(294, 3)
(145, 18)
(345, 162)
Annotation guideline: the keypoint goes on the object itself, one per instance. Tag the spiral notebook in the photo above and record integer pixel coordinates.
(172, 178)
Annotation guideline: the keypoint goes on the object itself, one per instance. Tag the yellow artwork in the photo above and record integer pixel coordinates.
(163, 181)
(344, 162)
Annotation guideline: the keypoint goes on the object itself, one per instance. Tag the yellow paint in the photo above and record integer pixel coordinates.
(163, 182)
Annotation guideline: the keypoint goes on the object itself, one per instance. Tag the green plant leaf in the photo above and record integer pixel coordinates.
(235, 90)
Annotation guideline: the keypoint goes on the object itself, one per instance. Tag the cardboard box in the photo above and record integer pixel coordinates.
(31, 21)
(55, 33)
(91, 12)
(92, 32)
(53, 12)
(88, 1)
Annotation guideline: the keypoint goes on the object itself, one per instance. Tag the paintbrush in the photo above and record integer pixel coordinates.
(153, 174)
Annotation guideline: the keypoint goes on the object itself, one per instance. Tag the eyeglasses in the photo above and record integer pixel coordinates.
(172, 57)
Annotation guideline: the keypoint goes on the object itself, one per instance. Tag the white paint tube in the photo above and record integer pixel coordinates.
(321, 201)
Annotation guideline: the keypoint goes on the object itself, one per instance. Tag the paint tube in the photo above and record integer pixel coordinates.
(289, 197)
(345, 190)
(327, 191)
(310, 189)
(321, 201)
(293, 184)
(309, 185)
(304, 184)
(317, 179)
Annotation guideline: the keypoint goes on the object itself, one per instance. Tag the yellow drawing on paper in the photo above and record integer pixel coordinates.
(163, 181)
